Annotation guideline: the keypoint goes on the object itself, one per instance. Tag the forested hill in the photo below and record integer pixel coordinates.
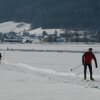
(52, 13)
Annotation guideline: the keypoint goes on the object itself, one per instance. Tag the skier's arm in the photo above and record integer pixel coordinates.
(1, 56)
(95, 60)
(83, 59)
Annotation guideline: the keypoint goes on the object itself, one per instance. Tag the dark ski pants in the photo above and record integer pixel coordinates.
(0, 60)
(85, 70)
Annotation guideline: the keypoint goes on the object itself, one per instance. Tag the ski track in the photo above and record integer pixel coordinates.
(70, 78)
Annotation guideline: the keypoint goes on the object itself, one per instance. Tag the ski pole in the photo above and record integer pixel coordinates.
(76, 67)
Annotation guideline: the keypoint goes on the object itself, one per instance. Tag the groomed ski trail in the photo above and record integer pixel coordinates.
(70, 78)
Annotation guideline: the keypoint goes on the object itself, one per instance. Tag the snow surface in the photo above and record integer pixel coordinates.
(29, 75)
(11, 26)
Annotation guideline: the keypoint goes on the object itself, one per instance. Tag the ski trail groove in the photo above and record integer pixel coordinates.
(70, 78)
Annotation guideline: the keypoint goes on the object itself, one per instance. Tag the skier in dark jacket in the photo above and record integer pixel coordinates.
(86, 60)
(0, 58)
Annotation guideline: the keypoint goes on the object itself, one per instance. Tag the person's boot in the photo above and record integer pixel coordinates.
(92, 79)
(84, 78)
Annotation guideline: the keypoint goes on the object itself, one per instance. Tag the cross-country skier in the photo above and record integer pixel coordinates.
(86, 61)
(0, 58)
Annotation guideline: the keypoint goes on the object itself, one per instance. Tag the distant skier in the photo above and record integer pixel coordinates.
(86, 60)
(0, 58)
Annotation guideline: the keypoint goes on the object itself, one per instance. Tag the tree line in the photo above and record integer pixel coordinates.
(66, 36)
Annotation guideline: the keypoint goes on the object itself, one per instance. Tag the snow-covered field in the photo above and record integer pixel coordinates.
(29, 75)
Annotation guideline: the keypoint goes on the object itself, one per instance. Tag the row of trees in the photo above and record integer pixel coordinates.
(73, 36)
(10, 35)
(65, 36)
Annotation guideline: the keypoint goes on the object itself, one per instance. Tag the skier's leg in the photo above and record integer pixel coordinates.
(90, 69)
(85, 70)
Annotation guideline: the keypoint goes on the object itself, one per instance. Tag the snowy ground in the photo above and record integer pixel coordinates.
(29, 75)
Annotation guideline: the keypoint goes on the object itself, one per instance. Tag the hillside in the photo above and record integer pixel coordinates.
(11, 26)
(52, 13)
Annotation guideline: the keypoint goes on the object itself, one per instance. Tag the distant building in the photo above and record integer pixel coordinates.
(17, 39)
